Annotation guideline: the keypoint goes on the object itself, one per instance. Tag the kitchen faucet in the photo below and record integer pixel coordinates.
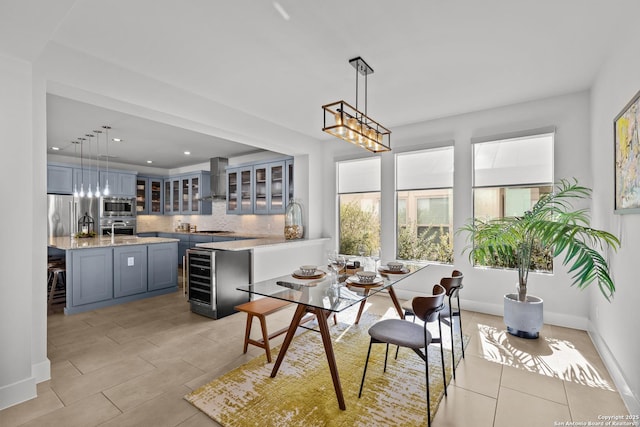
(113, 225)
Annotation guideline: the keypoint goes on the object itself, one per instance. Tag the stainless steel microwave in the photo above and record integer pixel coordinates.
(117, 207)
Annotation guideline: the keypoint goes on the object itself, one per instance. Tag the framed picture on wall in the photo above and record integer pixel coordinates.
(626, 128)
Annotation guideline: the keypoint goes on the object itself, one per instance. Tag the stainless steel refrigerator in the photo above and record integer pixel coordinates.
(65, 211)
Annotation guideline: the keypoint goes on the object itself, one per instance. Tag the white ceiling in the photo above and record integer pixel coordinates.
(432, 58)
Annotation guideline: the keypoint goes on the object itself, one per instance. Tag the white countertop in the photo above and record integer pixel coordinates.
(69, 243)
(247, 244)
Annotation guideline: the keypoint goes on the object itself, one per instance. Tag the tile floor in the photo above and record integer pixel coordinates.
(131, 365)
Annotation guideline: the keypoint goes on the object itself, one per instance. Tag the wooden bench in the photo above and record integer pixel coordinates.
(261, 308)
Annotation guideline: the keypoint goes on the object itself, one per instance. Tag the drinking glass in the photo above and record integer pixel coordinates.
(336, 263)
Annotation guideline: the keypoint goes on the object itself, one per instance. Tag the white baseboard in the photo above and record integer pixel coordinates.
(497, 309)
(631, 401)
(18, 392)
(41, 371)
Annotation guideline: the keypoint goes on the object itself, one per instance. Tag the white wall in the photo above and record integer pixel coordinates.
(614, 325)
(22, 342)
(484, 289)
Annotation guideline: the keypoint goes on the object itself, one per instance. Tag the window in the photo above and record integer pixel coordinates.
(359, 205)
(424, 197)
(510, 176)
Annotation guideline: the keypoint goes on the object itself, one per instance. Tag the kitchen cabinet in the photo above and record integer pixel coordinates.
(149, 200)
(183, 194)
(92, 273)
(240, 190)
(120, 183)
(129, 270)
(261, 188)
(161, 270)
(59, 179)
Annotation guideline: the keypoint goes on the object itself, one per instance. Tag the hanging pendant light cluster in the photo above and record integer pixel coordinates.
(350, 124)
(81, 141)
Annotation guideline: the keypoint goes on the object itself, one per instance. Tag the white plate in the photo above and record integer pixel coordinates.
(356, 281)
(385, 270)
(317, 275)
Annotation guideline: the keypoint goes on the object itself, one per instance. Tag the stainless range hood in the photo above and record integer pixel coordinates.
(218, 178)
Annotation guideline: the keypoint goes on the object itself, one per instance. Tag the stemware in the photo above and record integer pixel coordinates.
(336, 262)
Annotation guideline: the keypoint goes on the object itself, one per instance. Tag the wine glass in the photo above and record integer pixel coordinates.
(336, 263)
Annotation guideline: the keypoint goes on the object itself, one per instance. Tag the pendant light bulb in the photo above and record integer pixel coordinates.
(81, 194)
(106, 188)
(97, 193)
(75, 191)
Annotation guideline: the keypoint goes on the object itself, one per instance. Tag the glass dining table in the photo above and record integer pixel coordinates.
(322, 298)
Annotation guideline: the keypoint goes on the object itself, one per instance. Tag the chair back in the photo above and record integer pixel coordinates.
(452, 284)
(427, 308)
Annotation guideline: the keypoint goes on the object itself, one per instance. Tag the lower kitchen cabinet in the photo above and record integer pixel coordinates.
(92, 276)
(129, 270)
(101, 277)
(162, 266)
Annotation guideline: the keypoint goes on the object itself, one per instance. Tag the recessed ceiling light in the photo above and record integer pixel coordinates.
(187, 153)
(281, 11)
(149, 161)
(55, 148)
(117, 140)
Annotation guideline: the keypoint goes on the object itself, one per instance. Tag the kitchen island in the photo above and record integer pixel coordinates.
(273, 256)
(102, 271)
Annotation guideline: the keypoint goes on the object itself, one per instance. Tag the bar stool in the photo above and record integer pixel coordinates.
(56, 284)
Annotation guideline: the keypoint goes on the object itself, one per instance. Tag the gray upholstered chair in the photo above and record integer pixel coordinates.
(403, 333)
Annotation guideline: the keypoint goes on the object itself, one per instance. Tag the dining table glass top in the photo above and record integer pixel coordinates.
(323, 293)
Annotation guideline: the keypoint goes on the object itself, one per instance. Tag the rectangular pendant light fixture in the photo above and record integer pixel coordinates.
(350, 124)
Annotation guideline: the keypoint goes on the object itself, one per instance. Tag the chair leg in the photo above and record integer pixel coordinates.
(453, 347)
(460, 322)
(366, 363)
(426, 374)
(444, 376)
(386, 354)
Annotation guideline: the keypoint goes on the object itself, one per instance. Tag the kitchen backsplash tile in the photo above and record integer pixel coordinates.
(218, 220)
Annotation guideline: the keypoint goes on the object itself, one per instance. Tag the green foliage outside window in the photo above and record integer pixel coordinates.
(428, 246)
(358, 227)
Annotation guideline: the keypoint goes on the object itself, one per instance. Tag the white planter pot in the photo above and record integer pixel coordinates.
(523, 319)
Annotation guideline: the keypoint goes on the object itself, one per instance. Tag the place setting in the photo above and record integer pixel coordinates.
(393, 267)
(308, 272)
(365, 278)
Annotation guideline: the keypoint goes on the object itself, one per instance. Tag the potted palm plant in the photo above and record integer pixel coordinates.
(552, 223)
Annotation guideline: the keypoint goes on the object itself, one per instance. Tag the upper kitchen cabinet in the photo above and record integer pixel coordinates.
(240, 190)
(149, 195)
(183, 194)
(120, 183)
(261, 188)
(59, 179)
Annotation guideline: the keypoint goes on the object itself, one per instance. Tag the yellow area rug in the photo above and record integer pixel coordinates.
(302, 393)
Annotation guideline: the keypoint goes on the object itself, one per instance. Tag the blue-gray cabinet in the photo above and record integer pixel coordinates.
(59, 179)
(120, 183)
(183, 194)
(149, 200)
(129, 270)
(260, 188)
(162, 270)
(92, 276)
(101, 277)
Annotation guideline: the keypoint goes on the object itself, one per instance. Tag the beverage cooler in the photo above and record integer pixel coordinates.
(212, 279)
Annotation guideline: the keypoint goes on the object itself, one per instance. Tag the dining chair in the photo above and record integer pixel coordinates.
(411, 335)
(452, 285)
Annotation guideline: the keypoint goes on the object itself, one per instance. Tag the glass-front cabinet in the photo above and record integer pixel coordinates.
(185, 194)
(240, 190)
(149, 196)
(261, 188)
